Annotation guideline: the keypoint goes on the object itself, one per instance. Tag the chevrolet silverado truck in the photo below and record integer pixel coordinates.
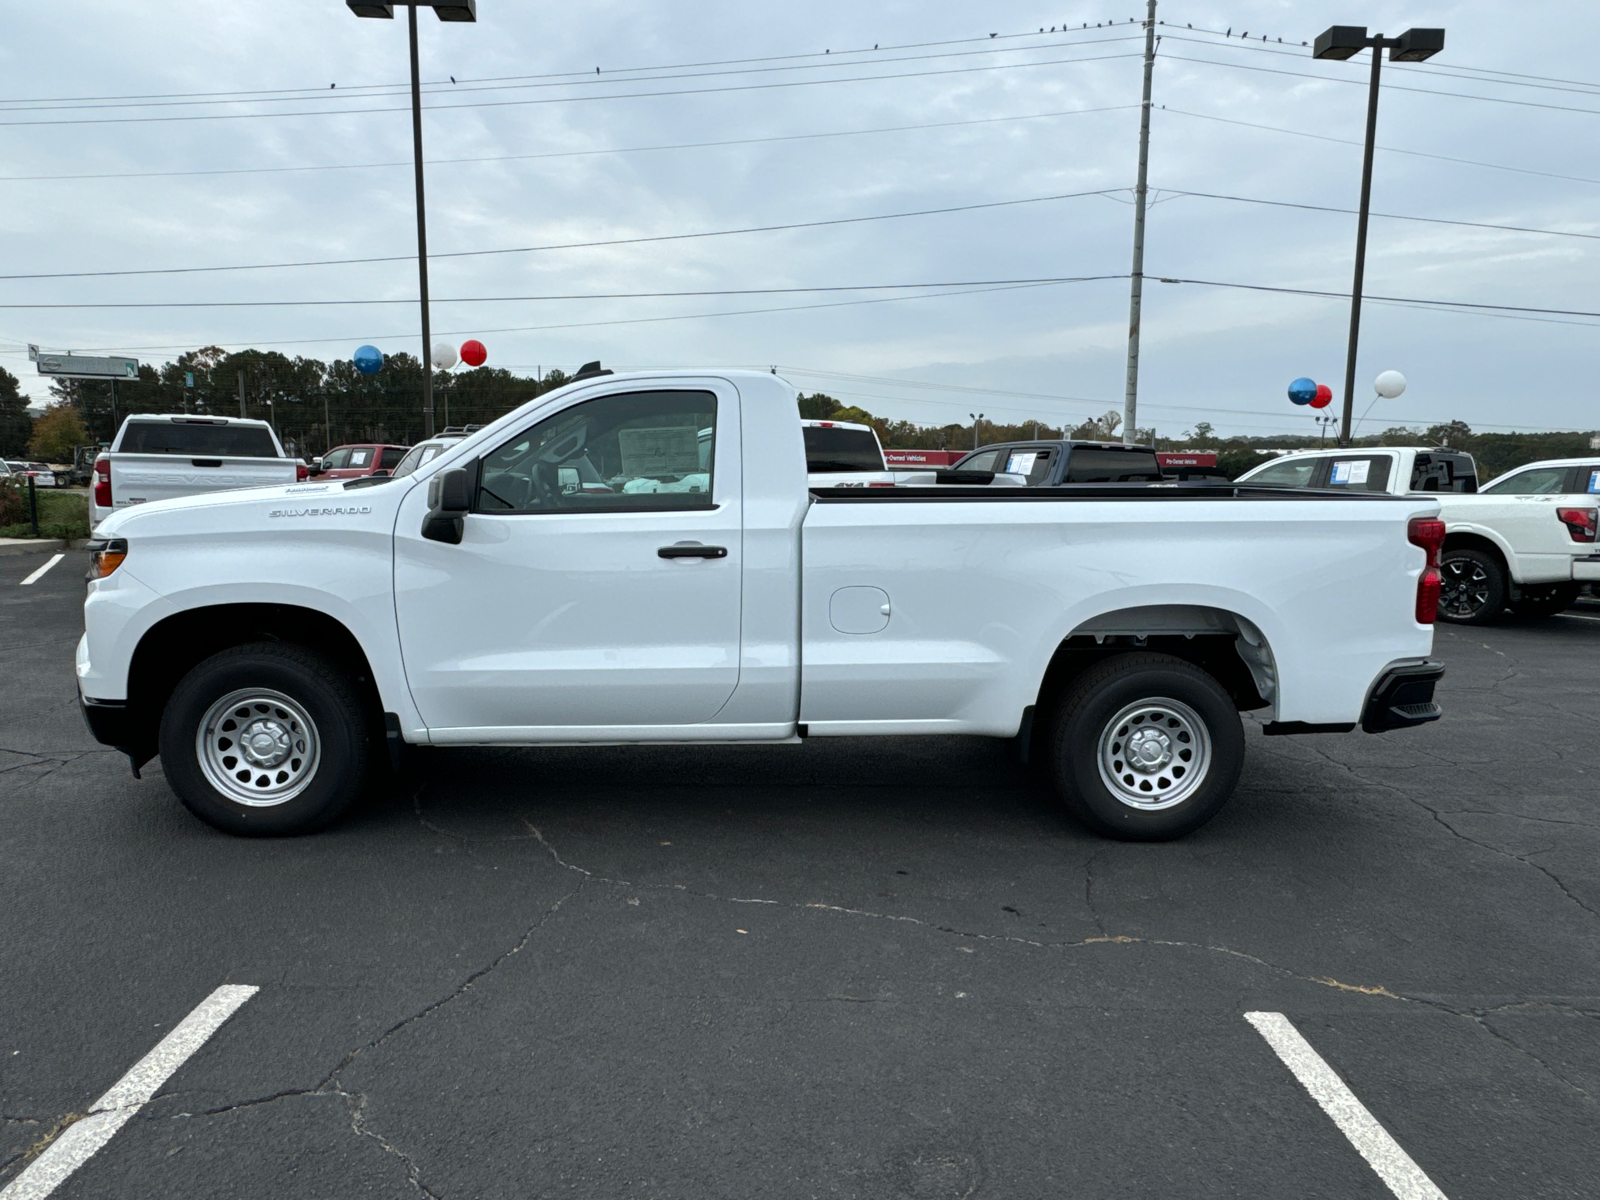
(161, 456)
(1524, 541)
(639, 559)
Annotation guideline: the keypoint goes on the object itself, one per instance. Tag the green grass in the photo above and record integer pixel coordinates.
(61, 515)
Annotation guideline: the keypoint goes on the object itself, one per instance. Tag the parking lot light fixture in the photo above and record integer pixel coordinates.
(1341, 42)
(445, 10)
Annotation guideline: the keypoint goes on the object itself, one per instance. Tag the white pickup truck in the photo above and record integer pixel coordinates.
(1524, 541)
(530, 585)
(162, 456)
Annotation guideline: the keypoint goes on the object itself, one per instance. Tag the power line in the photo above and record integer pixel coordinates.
(1393, 87)
(479, 332)
(1387, 216)
(1453, 69)
(1322, 137)
(435, 162)
(573, 80)
(440, 83)
(861, 287)
(1441, 305)
(634, 241)
(743, 87)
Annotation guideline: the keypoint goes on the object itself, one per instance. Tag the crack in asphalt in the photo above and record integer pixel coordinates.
(328, 1086)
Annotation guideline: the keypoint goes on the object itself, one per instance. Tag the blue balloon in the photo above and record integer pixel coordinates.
(369, 360)
(1303, 390)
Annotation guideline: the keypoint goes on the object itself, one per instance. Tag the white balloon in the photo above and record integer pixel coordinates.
(1389, 384)
(444, 356)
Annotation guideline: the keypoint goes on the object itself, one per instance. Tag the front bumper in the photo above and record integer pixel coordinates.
(1403, 697)
(112, 724)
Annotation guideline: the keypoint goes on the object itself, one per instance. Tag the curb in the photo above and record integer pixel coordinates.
(31, 546)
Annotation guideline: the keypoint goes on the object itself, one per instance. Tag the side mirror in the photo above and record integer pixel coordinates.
(449, 498)
(316, 467)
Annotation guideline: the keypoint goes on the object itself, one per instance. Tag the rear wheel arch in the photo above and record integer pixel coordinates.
(1477, 541)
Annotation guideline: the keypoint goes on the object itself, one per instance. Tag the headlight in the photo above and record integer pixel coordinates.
(106, 555)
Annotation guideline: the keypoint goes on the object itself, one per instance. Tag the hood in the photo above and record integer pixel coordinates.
(330, 499)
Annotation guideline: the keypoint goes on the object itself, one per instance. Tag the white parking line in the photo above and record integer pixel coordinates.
(1393, 1165)
(1577, 617)
(39, 574)
(79, 1141)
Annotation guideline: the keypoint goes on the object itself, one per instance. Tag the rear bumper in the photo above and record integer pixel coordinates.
(1403, 697)
(1586, 569)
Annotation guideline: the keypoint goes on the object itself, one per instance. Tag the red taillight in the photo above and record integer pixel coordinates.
(1428, 534)
(1428, 596)
(301, 472)
(880, 485)
(1581, 523)
(102, 483)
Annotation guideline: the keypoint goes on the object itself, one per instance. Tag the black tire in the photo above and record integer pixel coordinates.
(1472, 587)
(1546, 600)
(1186, 714)
(298, 703)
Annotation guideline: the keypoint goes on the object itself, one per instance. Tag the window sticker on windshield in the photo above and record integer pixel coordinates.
(1351, 472)
(1021, 462)
(1594, 482)
(672, 450)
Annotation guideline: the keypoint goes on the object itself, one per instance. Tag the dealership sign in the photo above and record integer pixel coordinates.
(80, 366)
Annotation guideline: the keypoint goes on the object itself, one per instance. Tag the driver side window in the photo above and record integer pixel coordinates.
(631, 452)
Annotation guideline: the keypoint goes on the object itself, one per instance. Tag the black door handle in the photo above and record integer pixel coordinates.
(692, 550)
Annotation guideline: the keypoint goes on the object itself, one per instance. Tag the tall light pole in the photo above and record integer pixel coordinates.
(977, 419)
(1130, 405)
(446, 10)
(1342, 42)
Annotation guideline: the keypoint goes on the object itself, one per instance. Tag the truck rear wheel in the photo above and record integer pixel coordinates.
(1145, 747)
(1473, 590)
(265, 740)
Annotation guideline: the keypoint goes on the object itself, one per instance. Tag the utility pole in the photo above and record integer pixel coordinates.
(327, 429)
(1130, 408)
(241, 393)
(422, 229)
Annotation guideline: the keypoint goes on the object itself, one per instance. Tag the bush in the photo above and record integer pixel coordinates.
(61, 514)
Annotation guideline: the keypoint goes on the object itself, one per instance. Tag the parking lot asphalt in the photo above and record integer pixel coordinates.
(887, 968)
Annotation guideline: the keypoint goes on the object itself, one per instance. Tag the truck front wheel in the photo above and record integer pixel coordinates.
(265, 740)
(1145, 747)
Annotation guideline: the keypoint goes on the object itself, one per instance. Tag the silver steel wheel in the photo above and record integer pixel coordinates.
(258, 747)
(1154, 754)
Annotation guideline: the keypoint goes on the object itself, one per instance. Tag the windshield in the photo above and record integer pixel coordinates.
(197, 440)
(830, 450)
(419, 455)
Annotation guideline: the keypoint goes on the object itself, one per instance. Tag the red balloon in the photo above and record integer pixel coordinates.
(474, 353)
(1324, 396)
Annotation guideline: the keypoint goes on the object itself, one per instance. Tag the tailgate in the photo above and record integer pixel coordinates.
(142, 478)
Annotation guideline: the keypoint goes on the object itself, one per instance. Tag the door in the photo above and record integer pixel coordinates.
(1522, 508)
(597, 582)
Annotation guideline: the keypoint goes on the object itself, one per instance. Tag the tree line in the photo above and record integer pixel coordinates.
(316, 405)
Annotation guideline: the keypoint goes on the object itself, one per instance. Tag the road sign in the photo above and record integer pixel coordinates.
(80, 366)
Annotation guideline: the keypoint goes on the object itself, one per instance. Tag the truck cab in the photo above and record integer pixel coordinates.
(1052, 462)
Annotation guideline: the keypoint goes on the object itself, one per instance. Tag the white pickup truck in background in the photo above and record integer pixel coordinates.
(1524, 541)
(164, 456)
(269, 643)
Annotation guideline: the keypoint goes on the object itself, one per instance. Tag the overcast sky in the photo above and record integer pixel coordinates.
(562, 154)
